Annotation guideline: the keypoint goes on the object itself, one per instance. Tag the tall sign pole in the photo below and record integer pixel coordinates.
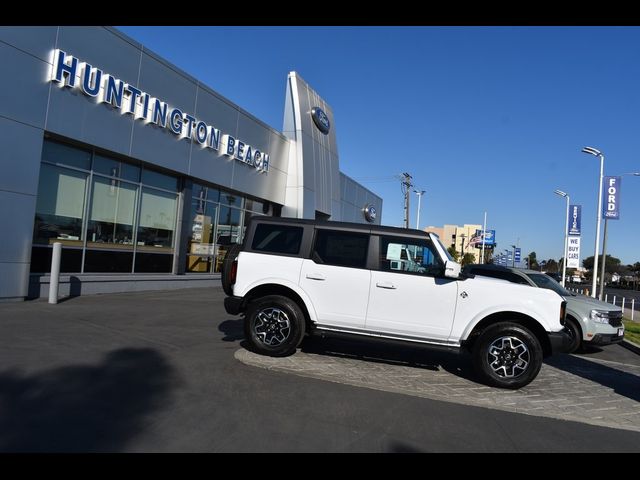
(484, 233)
(566, 244)
(610, 210)
(574, 229)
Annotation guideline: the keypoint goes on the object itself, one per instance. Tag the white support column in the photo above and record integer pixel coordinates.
(54, 279)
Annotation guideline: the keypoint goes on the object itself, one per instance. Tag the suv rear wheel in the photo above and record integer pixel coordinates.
(507, 355)
(274, 325)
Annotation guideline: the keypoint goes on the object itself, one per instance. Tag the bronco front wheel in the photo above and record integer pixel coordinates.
(507, 355)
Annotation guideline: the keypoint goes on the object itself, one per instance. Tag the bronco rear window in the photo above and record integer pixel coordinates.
(272, 238)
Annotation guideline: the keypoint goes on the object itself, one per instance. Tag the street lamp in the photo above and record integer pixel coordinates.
(566, 238)
(597, 153)
(419, 193)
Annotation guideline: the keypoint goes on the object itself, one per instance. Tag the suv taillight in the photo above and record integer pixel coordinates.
(563, 312)
(234, 271)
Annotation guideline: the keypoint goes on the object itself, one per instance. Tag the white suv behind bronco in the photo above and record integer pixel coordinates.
(294, 277)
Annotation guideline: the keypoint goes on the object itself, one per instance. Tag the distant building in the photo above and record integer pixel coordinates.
(453, 235)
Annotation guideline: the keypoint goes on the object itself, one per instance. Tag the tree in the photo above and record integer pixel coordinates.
(611, 265)
(551, 266)
(533, 262)
(452, 251)
(635, 270)
(467, 259)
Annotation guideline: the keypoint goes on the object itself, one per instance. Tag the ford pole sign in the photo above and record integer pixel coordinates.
(320, 119)
(370, 213)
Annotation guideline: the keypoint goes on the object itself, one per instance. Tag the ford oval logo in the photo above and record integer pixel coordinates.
(320, 119)
(370, 213)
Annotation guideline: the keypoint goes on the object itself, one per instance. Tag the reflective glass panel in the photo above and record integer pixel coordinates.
(157, 219)
(60, 205)
(112, 213)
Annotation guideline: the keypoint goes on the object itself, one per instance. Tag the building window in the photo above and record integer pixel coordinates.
(114, 168)
(201, 248)
(70, 261)
(231, 199)
(157, 219)
(107, 261)
(60, 154)
(60, 206)
(112, 213)
(228, 226)
(131, 213)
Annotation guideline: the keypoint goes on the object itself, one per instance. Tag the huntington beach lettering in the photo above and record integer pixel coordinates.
(68, 71)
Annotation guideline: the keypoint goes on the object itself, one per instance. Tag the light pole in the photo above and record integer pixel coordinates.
(566, 238)
(597, 153)
(419, 193)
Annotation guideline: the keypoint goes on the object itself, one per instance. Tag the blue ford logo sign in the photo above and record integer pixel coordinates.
(370, 213)
(320, 119)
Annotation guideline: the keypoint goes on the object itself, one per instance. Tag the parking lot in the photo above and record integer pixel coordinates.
(582, 388)
(167, 371)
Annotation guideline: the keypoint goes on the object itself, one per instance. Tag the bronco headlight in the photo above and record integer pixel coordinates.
(600, 316)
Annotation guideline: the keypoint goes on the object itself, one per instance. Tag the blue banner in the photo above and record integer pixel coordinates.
(489, 238)
(575, 214)
(611, 198)
(517, 255)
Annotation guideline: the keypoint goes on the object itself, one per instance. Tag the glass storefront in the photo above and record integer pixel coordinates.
(116, 217)
(217, 220)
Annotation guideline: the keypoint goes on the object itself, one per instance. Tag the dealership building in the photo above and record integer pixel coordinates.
(142, 172)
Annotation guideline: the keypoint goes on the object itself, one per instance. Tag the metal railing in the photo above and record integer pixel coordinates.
(621, 301)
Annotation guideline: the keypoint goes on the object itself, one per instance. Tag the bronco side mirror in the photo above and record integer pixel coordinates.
(452, 269)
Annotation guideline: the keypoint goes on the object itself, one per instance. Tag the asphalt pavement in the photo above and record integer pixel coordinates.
(163, 372)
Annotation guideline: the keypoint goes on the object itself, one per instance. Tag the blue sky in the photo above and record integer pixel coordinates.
(484, 118)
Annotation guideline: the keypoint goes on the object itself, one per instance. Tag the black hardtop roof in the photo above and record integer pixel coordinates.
(359, 227)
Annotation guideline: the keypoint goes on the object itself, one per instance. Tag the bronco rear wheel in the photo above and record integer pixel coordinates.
(274, 325)
(507, 355)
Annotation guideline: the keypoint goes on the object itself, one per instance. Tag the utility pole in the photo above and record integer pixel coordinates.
(406, 189)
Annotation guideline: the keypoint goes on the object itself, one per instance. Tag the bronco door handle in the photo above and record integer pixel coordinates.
(315, 276)
(387, 285)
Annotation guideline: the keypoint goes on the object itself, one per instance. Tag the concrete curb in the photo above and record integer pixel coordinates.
(629, 345)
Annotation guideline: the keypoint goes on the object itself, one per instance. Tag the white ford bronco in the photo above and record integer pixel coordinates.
(294, 277)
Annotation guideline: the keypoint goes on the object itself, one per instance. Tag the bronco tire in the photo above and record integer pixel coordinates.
(274, 325)
(507, 355)
(225, 274)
